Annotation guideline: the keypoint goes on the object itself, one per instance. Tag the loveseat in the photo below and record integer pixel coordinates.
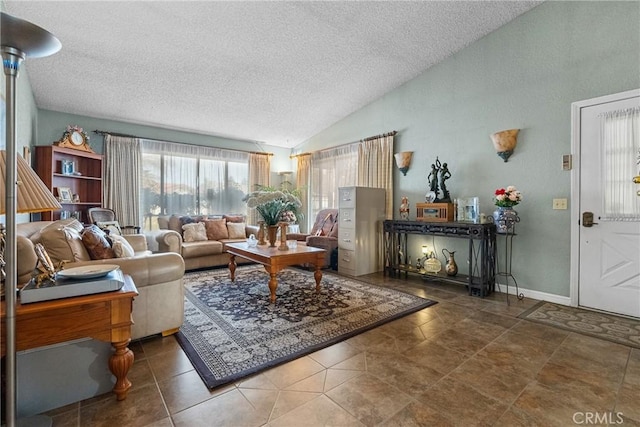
(159, 307)
(201, 240)
(323, 235)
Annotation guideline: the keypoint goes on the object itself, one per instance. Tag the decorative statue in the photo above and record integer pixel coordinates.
(444, 176)
(404, 208)
(433, 179)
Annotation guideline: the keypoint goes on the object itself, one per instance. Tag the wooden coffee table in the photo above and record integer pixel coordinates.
(275, 260)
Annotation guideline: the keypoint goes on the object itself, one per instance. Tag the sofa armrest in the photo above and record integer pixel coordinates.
(251, 229)
(169, 241)
(297, 236)
(137, 241)
(145, 270)
(323, 242)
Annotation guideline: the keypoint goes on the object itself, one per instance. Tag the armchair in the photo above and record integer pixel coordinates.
(324, 233)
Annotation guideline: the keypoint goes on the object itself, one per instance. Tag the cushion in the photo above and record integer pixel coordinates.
(194, 232)
(96, 243)
(216, 229)
(110, 227)
(236, 230)
(163, 222)
(63, 241)
(121, 247)
(234, 218)
(174, 224)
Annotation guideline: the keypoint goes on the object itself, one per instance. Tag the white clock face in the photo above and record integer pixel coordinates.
(76, 138)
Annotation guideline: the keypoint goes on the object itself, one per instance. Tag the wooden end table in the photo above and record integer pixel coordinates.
(275, 260)
(105, 316)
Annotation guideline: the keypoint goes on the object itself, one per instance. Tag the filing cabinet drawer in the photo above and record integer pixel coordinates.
(347, 238)
(347, 218)
(346, 197)
(346, 260)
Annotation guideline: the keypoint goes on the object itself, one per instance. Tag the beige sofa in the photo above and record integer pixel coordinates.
(159, 307)
(201, 253)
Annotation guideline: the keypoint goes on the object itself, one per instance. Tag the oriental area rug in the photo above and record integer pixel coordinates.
(231, 330)
(618, 329)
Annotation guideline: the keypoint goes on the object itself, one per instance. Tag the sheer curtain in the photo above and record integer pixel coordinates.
(259, 174)
(303, 172)
(620, 136)
(375, 167)
(331, 169)
(122, 177)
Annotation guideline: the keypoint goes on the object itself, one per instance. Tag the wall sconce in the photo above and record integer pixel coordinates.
(403, 160)
(504, 142)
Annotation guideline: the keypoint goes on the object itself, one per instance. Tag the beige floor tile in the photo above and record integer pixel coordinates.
(460, 342)
(290, 400)
(290, 373)
(168, 364)
(334, 354)
(357, 363)
(141, 407)
(417, 415)
(369, 399)
(335, 377)
(230, 409)
(462, 404)
(319, 412)
(436, 356)
(185, 390)
(314, 383)
(403, 373)
(629, 401)
(257, 381)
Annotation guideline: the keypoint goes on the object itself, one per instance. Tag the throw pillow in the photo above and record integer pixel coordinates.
(96, 243)
(194, 232)
(174, 224)
(234, 218)
(121, 247)
(216, 229)
(110, 227)
(236, 230)
(63, 242)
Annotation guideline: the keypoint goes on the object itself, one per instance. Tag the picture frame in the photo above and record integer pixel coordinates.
(469, 210)
(65, 195)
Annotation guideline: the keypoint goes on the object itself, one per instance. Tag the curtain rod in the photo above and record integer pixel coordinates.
(392, 133)
(106, 132)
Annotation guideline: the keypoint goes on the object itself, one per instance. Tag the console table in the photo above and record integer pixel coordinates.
(481, 279)
(105, 316)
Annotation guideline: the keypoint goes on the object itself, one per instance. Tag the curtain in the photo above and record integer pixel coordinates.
(259, 174)
(620, 136)
(303, 173)
(122, 176)
(375, 167)
(331, 169)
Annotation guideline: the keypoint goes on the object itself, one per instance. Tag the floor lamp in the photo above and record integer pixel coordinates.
(19, 39)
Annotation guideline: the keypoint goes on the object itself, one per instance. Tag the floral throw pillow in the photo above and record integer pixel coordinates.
(194, 232)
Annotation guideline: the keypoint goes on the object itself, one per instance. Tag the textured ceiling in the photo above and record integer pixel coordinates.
(274, 72)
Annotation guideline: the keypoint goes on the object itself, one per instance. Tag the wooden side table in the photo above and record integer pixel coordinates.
(105, 316)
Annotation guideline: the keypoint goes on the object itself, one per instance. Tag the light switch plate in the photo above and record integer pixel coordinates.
(560, 204)
(567, 162)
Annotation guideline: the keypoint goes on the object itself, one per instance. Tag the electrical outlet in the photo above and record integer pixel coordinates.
(559, 203)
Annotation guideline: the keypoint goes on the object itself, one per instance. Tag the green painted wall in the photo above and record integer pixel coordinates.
(524, 75)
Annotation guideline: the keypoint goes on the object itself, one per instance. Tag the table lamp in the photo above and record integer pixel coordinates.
(19, 39)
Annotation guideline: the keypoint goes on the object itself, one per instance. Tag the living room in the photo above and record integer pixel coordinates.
(525, 75)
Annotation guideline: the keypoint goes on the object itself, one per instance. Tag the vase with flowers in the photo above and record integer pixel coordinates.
(505, 216)
(271, 205)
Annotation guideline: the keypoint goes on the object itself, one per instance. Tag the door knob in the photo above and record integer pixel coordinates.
(587, 219)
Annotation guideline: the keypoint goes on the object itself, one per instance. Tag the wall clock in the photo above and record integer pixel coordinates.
(74, 137)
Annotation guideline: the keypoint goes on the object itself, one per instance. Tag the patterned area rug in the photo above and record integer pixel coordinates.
(231, 330)
(618, 329)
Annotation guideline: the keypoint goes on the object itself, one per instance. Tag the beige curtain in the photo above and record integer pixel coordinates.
(303, 175)
(121, 184)
(259, 174)
(375, 167)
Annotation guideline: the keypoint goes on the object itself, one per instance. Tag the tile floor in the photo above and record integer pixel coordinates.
(465, 361)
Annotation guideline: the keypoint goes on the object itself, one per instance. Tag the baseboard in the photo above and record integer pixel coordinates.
(529, 293)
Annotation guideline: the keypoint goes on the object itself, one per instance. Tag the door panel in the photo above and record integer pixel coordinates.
(609, 259)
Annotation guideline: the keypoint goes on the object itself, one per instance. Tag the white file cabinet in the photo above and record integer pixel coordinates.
(361, 211)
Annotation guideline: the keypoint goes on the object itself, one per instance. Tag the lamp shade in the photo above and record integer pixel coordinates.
(505, 142)
(32, 194)
(403, 161)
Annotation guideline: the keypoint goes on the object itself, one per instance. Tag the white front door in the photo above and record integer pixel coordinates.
(609, 250)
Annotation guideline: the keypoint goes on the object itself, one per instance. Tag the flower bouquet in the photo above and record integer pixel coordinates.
(507, 198)
(505, 217)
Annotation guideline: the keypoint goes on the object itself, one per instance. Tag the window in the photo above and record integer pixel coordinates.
(191, 180)
(331, 169)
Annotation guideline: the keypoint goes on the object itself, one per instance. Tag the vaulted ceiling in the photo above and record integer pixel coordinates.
(273, 72)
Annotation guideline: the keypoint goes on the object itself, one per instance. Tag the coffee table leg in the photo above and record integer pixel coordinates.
(232, 267)
(273, 285)
(318, 276)
(119, 364)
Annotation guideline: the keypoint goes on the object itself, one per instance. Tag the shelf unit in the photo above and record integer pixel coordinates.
(481, 279)
(87, 184)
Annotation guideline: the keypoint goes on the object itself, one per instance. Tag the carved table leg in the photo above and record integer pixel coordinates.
(119, 364)
(318, 276)
(232, 267)
(273, 285)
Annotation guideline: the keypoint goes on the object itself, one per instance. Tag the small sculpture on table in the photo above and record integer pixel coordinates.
(45, 269)
(444, 176)
(404, 208)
